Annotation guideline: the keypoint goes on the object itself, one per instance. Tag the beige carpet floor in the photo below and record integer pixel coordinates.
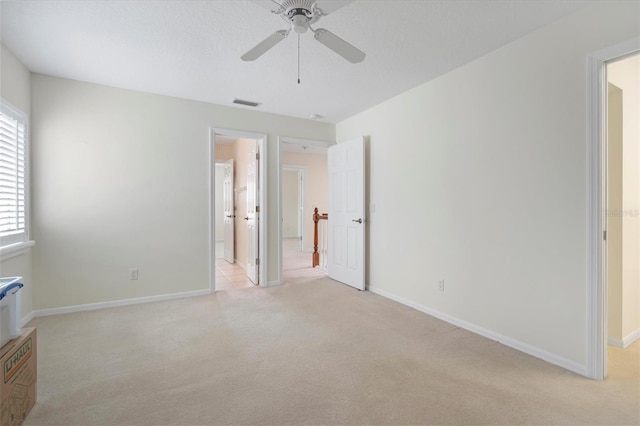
(311, 351)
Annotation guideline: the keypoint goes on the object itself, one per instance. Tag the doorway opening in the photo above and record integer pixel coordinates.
(608, 207)
(237, 221)
(303, 186)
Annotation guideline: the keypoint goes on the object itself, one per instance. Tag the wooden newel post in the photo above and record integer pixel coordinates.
(316, 256)
(316, 218)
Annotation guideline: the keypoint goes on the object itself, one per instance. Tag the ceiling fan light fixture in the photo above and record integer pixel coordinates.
(300, 24)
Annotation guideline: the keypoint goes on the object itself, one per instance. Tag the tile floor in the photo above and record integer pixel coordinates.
(231, 276)
(296, 265)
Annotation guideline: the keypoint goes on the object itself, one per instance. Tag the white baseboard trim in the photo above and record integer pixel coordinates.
(615, 342)
(507, 341)
(624, 343)
(631, 338)
(117, 303)
(25, 320)
(273, 283)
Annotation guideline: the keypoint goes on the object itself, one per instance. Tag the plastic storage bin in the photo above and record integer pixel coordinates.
(9, 308)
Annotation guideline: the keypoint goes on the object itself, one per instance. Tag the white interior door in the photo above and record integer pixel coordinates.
(252, 216)
(346, 223)
(229, 212)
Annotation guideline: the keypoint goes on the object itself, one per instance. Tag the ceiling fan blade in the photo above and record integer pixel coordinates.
(338, 45)
(265, 45)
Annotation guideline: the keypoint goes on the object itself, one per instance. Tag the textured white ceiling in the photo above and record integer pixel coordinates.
(191, 49)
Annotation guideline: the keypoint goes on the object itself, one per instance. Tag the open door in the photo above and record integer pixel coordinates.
(346, 223)
(229, 212)
(252, 218)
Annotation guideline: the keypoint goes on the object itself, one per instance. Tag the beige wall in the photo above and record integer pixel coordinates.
(15, 87)
(291, 182)
(493, 173)
(614, 205)
(224, 151)
(625, 74)
(316, 188)
(121, 180)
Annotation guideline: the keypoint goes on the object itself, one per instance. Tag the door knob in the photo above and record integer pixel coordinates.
(231, 215)
(246, 218)
(357, 220)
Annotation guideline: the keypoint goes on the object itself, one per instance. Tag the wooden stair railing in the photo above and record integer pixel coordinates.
(317, 217)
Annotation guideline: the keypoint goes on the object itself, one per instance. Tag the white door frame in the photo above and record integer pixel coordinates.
(262, 179)
(597, 204)
(281, 141)
(252, 218)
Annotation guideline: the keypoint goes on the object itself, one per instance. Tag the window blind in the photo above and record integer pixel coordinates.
(12, 176)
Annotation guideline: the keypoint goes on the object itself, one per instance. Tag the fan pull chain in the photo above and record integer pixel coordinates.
(298, 58)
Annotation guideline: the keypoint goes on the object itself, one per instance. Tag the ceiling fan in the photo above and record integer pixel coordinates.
(301, 14)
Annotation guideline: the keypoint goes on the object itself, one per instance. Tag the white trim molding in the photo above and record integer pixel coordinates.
(507, 341)
(627, 341)
(115, 303)
(596, 204)
(25, 319)
(12, 250)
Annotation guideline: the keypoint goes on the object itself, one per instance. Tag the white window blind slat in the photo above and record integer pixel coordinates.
(12, 173)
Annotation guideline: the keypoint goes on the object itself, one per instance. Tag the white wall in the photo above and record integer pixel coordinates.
(489, 161)
(15, 87)
(625, 74)
(121, 180)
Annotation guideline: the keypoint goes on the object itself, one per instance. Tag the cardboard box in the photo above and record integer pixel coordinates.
(9, 309)
(18, 360)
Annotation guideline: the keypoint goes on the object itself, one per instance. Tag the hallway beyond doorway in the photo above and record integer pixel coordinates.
(296, 264)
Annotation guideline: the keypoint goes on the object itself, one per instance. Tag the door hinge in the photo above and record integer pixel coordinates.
(257, 262)
(604, 235)
(257, 155)
(257, 209)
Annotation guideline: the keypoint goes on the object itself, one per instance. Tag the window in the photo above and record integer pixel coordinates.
(13, 173)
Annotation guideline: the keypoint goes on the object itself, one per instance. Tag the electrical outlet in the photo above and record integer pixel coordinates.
(441, 285)
(133, 273)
